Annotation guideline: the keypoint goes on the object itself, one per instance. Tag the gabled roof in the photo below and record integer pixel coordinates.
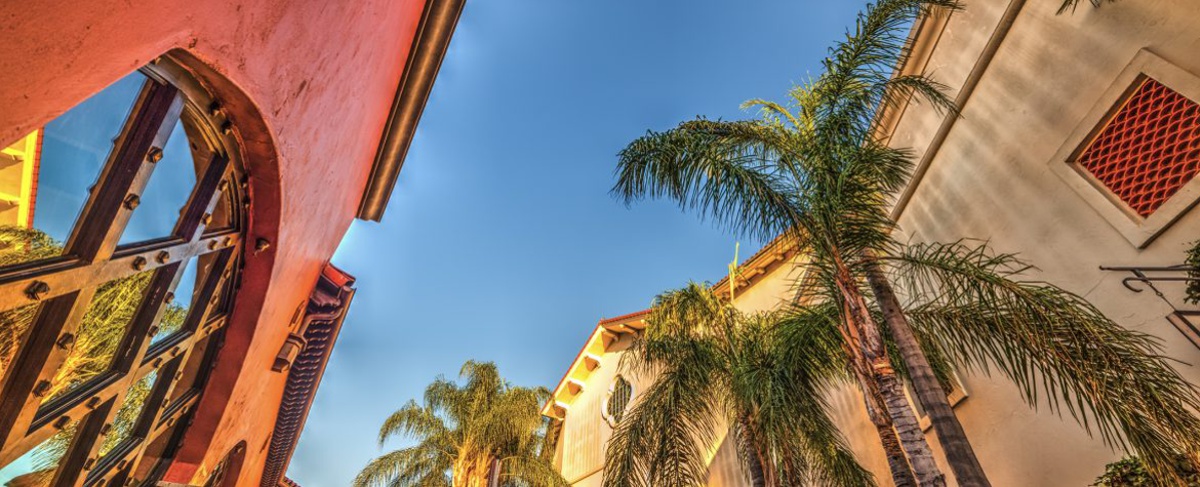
(587, 360)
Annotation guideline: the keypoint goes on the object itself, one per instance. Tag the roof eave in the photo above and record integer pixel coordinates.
(432, 38)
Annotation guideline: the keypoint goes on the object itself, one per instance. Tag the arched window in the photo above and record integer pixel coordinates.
(617, 401)
(120, 242)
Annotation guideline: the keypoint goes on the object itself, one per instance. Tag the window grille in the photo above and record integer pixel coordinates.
(619, 396)
(1148, 149)
(113, 303)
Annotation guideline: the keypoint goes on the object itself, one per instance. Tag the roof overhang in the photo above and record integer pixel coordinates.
(607, 332)
(434, 31)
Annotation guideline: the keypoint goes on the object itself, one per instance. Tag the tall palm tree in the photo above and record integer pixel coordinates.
(715, 370)
(814, 172)
(485, 432)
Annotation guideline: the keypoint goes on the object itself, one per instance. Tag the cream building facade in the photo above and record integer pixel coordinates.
(1076, 148)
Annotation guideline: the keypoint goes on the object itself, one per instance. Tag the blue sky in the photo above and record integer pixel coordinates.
(501, 241)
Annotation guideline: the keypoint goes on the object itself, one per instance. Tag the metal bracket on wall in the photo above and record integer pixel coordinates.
(1187, 321)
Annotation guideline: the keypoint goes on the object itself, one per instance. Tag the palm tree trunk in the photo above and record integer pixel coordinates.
(493, 478)
(908, 429)
(902, 474)
(963, 462)
(754, 456)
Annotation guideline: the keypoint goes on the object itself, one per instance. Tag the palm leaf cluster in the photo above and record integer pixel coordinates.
(484, 432)
(718, 372)
(813, 171)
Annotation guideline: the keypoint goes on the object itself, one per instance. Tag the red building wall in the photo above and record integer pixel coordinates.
(308, 84)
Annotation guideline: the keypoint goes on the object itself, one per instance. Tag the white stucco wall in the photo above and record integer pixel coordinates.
(992, 180)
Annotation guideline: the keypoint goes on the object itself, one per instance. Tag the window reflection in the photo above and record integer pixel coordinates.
(74, 149)
(128, 413)
(36, 468)
(104, 324)
(177, 308)
(166, 193)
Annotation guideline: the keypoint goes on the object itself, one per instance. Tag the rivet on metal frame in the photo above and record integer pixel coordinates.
(212, 244)
(106, 429)
(157, 363)
(36, 290)
(175, 352)
(130, 481)
(207, 219)
(215, 108)
(227, 127)
(178, 375)
(92, 402)
(65, 341)
(42, 388)
(261, 245)
(152, 331)
(121, 464)
(132, 201)
(163, 257)
(223, 185)
(154, 155)
(89, 463)
(139, 263)
(62, 422)
(170, 296)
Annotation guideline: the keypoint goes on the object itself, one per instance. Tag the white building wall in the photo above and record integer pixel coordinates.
(992, 180)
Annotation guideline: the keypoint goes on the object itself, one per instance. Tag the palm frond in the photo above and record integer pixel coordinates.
(979, 310)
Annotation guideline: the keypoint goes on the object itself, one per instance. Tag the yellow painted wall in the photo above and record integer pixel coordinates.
(18, 163)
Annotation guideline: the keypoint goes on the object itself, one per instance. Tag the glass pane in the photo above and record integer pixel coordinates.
(166, 193)
(191, 370)
(13, 324)
(36, 468)
(45, 176)
(100, 333)
(181, 302)
(128, 413)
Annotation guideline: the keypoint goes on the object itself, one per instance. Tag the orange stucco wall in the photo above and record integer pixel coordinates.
(308, 85)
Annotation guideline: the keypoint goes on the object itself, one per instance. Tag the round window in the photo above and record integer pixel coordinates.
(617, 401)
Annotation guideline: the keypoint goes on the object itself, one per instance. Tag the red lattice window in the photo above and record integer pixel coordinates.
(1149, 149)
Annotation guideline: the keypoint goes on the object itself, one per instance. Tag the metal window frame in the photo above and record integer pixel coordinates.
(92, 258)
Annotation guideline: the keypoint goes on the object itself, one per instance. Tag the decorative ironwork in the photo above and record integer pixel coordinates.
(1148, 149)
(1187, 321)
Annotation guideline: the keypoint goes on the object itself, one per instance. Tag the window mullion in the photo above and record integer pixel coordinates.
(148, 422)
(48, 344)
(118, 190)
(128, 358)
(204, 199)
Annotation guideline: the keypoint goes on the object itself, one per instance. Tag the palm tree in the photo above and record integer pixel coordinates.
(813, 171)
(717, 370)
(484, 432)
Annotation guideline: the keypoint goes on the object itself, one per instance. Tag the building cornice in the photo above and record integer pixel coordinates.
(432, 38)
